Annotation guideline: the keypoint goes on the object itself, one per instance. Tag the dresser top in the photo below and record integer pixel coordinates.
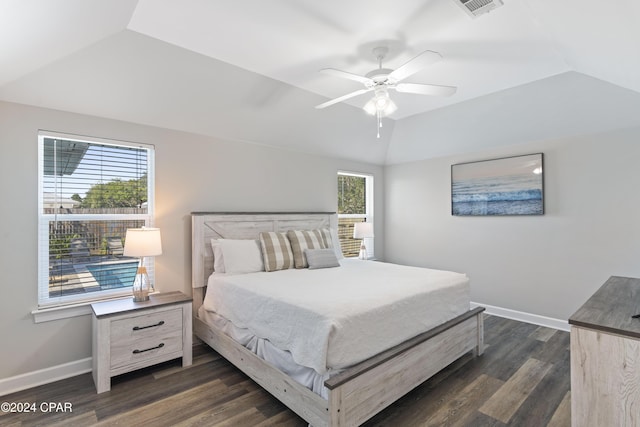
(119, 306)
(611, 307)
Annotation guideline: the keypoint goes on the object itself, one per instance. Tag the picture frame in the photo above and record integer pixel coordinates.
(498, 187)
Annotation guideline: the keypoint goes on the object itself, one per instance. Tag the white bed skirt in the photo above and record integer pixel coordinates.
(280, 359)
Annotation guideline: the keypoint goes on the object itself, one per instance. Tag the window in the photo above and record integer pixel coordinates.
(90, 192)
(355, 204)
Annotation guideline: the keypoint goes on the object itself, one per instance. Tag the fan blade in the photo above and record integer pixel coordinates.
(346, 75)
(421, 61)
(342, 98)
(426, 89)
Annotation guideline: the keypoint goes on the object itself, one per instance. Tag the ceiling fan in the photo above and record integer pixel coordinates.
(381, 80)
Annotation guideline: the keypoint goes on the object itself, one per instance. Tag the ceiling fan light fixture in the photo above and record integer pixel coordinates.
(390, 107)
(380, 104)
(370, 107)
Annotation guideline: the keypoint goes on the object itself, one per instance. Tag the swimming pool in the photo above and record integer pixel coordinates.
(114, 274)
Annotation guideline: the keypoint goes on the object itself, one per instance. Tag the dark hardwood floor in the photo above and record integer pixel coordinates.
(521, 380)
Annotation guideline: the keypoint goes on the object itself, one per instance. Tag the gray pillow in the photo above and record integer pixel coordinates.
(321, 258)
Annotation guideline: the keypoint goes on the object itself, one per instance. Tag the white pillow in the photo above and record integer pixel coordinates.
(241, 256)
(218, 258)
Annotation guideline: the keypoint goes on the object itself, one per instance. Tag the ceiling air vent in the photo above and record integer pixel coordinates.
(478, 7)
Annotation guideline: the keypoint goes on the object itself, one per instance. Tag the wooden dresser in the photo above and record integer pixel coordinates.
(130, 335)
(605, 357)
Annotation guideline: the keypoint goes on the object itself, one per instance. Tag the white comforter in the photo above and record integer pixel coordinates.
(333, 318)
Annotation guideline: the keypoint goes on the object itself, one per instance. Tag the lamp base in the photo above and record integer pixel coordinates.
(141, 285)
(363, 252)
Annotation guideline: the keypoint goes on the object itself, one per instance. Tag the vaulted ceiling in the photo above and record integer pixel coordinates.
(248, 70)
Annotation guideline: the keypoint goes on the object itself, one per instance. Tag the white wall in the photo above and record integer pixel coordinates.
(193, 173)
(545, 265)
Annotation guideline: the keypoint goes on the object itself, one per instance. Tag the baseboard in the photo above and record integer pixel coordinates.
(535, 319)
(44, 376)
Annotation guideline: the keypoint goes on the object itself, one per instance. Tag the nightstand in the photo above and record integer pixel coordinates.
(130, 335)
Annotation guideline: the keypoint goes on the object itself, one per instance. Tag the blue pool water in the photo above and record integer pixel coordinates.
(115, 274)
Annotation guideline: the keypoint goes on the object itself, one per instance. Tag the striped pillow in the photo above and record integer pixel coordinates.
(276, 251)
(326, 237)
(331, 241)
(304, 239)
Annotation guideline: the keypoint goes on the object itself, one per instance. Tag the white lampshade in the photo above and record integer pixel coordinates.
(142, 242)
(362, 230)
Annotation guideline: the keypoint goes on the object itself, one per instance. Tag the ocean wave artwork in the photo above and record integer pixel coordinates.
(508, 186)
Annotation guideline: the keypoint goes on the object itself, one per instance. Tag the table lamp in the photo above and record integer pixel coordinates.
(142, 242)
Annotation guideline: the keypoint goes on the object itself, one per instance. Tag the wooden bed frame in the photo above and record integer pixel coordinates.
(359, 392)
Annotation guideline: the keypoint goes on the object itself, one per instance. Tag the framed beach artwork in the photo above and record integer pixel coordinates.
(506, 186)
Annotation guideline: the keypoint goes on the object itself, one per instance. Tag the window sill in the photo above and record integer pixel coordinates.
(41, 315)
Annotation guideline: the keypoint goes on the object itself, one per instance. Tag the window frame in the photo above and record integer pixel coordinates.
(368, 215)
(45, 302)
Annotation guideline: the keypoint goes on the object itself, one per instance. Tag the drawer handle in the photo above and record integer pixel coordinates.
(136, 351)
(138, 328)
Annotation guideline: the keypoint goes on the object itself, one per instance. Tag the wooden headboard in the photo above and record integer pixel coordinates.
(212, 225)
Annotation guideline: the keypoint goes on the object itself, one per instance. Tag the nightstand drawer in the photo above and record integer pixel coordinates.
(152, 325)
(132, 352)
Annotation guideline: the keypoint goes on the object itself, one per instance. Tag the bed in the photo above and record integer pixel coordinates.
(353, 387)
